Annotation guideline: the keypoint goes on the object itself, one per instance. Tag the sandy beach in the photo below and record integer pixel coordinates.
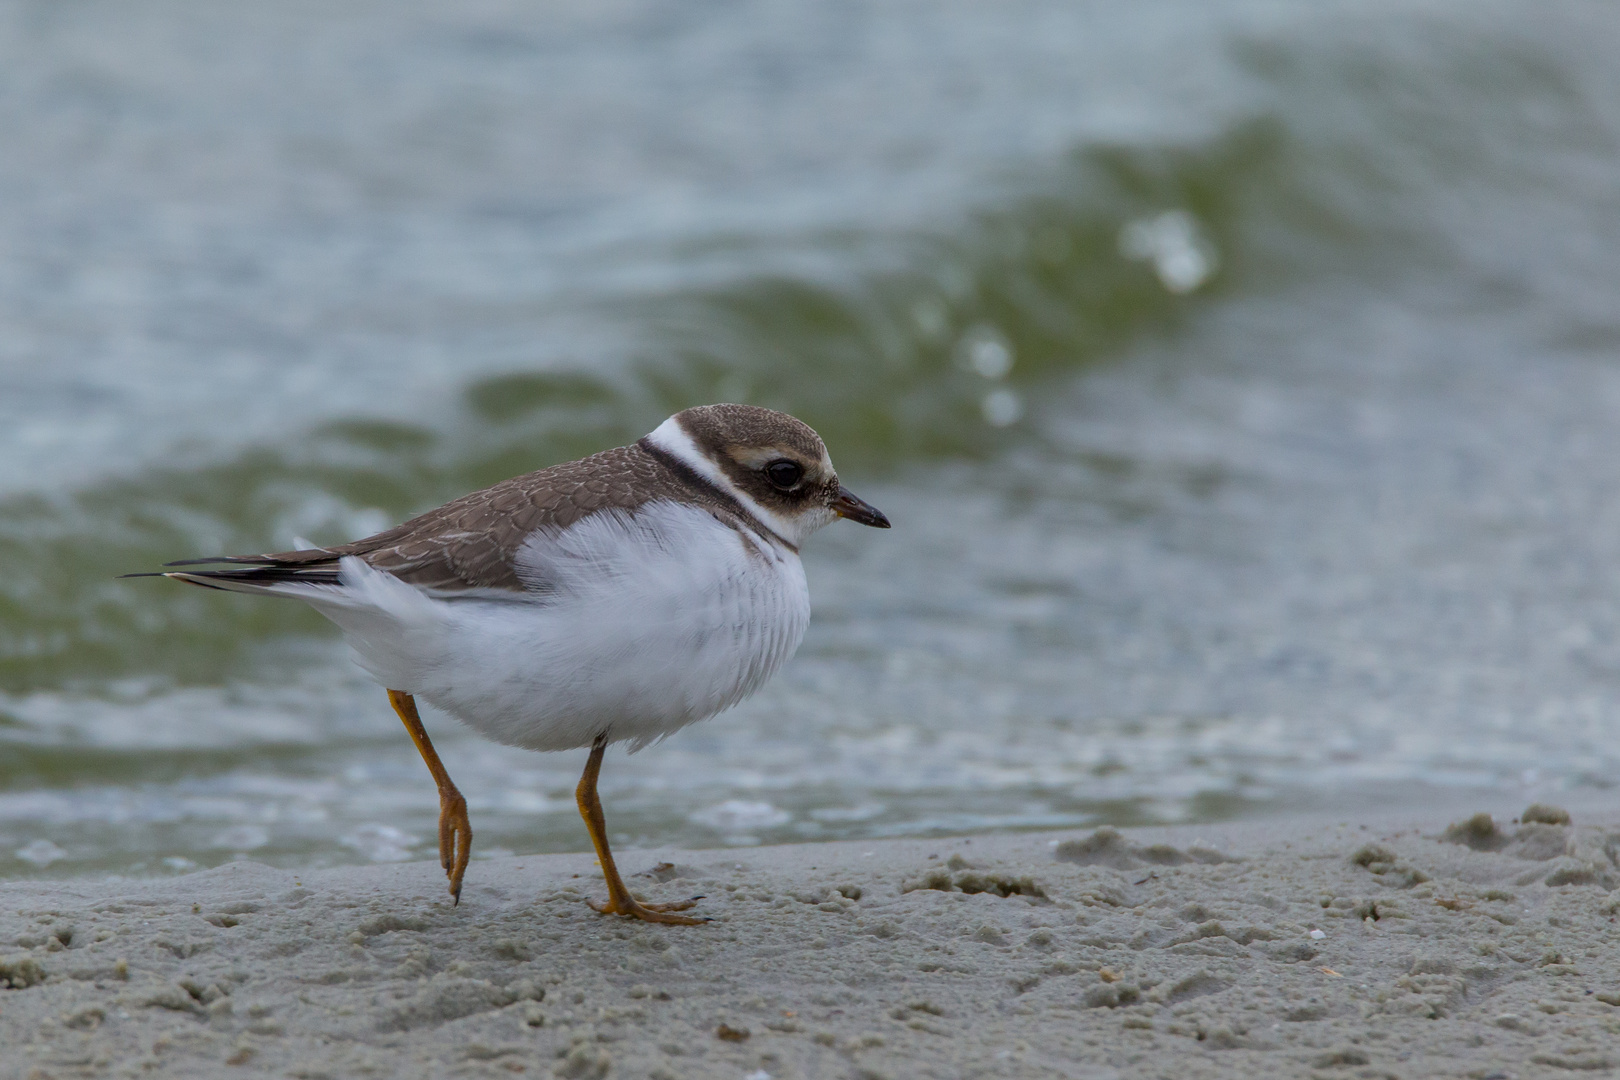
(1469, 948)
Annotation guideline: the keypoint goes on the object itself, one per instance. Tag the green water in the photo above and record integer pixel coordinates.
(1318, 512)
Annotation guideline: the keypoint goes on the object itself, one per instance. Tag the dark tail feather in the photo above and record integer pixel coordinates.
(250, 560)
(248, 578)
(192, 579)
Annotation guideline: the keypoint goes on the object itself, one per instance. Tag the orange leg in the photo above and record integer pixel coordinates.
(619, 901)
(455, 830)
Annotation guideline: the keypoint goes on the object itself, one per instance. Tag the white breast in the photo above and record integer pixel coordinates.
(634, 625)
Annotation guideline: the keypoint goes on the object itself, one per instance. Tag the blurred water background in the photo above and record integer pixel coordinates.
(1241, 379)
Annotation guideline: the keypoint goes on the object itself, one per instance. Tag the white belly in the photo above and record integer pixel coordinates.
(643, 625)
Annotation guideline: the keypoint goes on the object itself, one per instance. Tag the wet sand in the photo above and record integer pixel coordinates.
(1440, 948)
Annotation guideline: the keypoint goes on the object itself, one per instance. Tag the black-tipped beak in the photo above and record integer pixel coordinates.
(847, 505)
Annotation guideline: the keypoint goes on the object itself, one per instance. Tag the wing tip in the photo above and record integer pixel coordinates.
(192, 579)
(212, 559)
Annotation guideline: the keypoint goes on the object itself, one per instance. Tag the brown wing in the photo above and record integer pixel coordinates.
(471, 542)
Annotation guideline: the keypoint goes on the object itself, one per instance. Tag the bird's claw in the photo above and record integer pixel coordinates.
(630, 907)
(455, 839)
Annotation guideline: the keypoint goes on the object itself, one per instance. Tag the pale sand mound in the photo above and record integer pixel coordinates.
(1488, 951)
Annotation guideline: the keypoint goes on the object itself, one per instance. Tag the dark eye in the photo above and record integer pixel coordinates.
(783, 474)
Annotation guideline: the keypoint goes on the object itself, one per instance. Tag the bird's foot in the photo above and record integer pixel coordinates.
(455, 838)
(630, 907)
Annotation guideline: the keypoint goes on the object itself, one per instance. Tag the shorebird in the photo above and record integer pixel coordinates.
(617, 598)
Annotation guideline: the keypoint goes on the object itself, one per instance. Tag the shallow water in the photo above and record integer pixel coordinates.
(1240, 379)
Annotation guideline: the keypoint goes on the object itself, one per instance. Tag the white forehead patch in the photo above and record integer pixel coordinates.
(757, 457)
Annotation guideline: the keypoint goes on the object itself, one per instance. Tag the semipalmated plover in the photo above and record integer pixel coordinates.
(617, 598)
